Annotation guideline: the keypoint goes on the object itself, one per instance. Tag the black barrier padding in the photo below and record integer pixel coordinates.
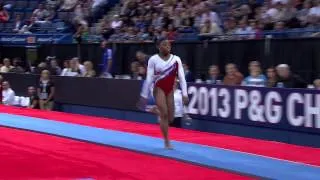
(97, 92)
(94, 92)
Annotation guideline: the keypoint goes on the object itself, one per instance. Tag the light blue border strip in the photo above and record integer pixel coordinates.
(193, 153)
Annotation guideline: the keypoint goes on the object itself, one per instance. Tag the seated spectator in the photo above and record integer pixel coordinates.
(214, 75)
(66, 64)
(30, 28)
(143, 35)
(142, 72)
(56, 70)
(116, 23)
(142, 58)
(286, 79)
(41, 13)
(17, 68)
(33, 98)
(244, 31)
(17, 24)
(51, 13)
(8, 95)
(188, 73)
(81, 66)
(210, 28)
(82, 31)
(209, 15)
(316, 84)
(6, 66)
(74, 69)
(89, 69)
(315, 10)
(106, 30)
(4, 16)
(233, 76)
(46, 91)
(68, 4)
(130, 35)
(172, 33)
(272, 77)
(78, 13)
(279, 32)
(256, 78)
(134, 70)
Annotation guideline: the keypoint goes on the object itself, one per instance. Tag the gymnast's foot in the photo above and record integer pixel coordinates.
(167, 145)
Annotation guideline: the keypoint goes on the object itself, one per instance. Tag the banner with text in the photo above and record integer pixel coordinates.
(288, 109)
(32, 39)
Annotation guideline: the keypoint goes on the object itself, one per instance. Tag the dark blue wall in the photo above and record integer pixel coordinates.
(202, 125)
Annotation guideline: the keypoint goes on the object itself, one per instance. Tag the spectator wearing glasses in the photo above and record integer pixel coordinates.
(7, 94)
(46, 91)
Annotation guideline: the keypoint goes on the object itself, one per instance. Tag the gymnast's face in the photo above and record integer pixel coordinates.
(165, 47)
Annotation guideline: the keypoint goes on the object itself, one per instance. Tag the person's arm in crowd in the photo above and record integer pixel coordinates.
(64, 71)
(34, 103)
(9, 98)
(52, 91)
(38, 91)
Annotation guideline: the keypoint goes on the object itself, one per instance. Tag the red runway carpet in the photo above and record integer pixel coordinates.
(26, 155)
(267, 148)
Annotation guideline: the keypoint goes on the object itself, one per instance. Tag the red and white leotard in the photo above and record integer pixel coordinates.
(162, 74)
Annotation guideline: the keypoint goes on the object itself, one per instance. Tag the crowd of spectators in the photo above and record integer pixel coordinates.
(144, 20)
(41, 95)
(280, 76)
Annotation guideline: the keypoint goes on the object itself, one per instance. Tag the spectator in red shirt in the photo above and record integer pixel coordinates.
(4, 16)
(172, 34)
(233, 76)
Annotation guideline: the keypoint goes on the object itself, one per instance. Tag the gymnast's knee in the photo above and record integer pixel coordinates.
(164, 116)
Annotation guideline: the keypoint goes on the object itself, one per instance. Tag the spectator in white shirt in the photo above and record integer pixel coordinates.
(244, 31)
(8, 95)
(6, 66)
(179, 108)
(41, 14)
(210, 15)
(73, 70)
(18, 23)
(116, 23)
(315, 10)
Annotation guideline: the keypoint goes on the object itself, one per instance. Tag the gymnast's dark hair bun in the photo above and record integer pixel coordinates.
(160, 40)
